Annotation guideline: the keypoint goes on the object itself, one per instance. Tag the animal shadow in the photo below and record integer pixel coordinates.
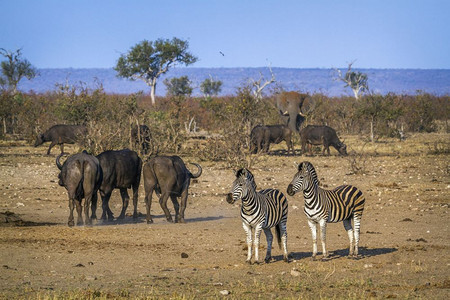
(364, 252)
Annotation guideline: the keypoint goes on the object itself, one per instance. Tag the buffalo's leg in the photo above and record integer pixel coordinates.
(135, 200)
(94, 206)
(163, 203)
(125, 201)
(183, 204)
(148, 203)
(176, 206)
(52, 144)
(71, 207)
(87, 204)
(79, 212)
(61, 147)
(107, 213)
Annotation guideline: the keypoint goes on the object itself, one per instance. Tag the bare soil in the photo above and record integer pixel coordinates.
(405, 238)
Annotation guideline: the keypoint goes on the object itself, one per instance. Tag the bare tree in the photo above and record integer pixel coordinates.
(258, 86)
(357, 81)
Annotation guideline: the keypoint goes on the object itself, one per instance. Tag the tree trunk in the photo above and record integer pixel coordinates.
(371, 130)
(152, 91)
(355, 92)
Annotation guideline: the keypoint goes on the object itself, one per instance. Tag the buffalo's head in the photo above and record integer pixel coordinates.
(39, 140)
(342, 148)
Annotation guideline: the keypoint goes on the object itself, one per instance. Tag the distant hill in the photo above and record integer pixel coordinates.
(400, 81)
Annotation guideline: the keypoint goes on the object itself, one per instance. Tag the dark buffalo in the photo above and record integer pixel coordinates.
(60, 134)
(121, 170)
(168, 177)
(81, 175)
(321, 135)
(142, 138)
(262, 136)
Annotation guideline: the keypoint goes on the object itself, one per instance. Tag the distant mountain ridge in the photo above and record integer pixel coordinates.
(383, 81)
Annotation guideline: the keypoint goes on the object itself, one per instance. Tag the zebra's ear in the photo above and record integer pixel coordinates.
(300, 167)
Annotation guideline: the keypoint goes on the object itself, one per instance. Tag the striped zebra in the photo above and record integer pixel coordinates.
(344, 203)
(260, 211)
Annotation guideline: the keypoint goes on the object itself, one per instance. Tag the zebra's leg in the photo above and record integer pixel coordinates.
(348, 227)
(269, 238)
(283, 233)
(248, 231)
(323, 237)
(357, 225)
(313, 227)
(258, 230)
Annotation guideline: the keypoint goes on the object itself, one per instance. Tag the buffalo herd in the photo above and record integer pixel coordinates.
(84, 175)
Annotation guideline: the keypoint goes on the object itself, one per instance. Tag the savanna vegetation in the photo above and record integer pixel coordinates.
(220, 124)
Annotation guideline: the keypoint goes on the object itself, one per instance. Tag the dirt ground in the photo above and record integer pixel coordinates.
(405, 238)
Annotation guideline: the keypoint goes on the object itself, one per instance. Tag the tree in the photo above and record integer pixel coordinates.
(178, 86)
(258, 86)
(357, 81)
(14, 69)
(148, 60)
(210, 87)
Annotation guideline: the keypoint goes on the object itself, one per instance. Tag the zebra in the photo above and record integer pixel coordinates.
(343, 203)
(260, 211)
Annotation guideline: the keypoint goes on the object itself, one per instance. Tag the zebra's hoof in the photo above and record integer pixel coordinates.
(248, 261)
(149, 221)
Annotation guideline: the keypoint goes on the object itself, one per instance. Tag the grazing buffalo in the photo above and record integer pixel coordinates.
(121, 170)
(142, 138)
(81, 175)
(60, 134)
(321, 135)
(168, 177)
(262, 136)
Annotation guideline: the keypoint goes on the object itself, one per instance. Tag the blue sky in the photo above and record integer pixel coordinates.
(293, 34)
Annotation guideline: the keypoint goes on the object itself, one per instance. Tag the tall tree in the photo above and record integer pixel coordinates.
(14, 68)
(148, 60)
(357, 81)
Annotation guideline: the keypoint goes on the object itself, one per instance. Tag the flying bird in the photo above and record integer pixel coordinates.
(221, 53)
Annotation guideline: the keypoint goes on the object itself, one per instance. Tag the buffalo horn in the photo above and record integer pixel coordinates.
(58, 164)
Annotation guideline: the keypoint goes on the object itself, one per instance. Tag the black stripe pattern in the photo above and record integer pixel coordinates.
(344, 203)
(260, 211)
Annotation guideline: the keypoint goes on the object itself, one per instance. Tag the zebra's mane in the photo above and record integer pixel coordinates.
(307, 167)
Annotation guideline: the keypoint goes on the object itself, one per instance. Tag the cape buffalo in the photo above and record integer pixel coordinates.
(60, 134)
(81, 175)
(142, 138)
(321, 135)
(121, 170)
(262, 136)
(168, 177)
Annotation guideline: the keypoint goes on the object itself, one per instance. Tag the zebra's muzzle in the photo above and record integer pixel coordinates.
(230, 198)
(290, 190)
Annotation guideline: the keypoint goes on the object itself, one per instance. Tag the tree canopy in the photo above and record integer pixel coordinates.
(148, 60)
(14, 68)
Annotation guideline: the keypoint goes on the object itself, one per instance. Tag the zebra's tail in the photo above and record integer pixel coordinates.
(278, 234)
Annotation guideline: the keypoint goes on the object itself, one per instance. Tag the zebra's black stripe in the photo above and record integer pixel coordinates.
(260, 211)
(343, 203)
